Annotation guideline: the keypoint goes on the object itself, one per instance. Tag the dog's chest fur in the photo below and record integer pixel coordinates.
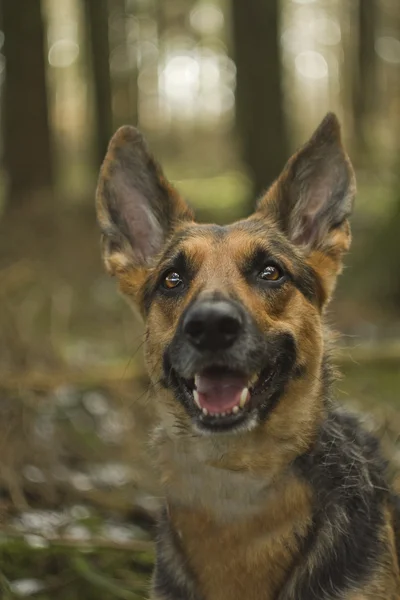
(237, 532)
(236, 560)
(191, 478)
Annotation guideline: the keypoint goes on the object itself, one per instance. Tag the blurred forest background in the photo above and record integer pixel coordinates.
(224, 90)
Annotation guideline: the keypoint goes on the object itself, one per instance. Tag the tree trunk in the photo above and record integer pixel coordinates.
(27, 144)
(364, 72)
(97, 23)
(125, 91)
(259, 95)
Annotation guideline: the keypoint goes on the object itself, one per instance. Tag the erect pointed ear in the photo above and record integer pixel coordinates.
(137, 208)
(313, 197)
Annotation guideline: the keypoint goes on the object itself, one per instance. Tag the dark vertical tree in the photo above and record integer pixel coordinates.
(364, 72)
(259, 95)
(26, 130)
(97, 24)
(378, 262)
(124, 66)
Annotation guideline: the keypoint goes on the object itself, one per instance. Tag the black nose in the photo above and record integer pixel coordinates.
(212, 325)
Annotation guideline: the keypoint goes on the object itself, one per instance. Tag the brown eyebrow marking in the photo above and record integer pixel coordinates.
(191, 245)
(276, 248)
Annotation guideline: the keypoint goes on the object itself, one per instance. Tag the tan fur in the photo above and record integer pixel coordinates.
(256, 550)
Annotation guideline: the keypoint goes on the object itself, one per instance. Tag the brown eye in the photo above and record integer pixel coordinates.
(270, 273)
(172, 280)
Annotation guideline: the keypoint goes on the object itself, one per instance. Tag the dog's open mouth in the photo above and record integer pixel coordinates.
(221, 398)
(219, 394)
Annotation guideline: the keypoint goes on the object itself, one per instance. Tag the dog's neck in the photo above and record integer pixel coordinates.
(196, 474)
(239, 475)
(250, 515)
(232, 476)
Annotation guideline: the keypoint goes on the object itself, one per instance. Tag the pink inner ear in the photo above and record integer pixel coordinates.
(318, 206)
(319, 193)
(136, 205)
(304, 220)
(304, 233)
(144, 230)
(316, 189)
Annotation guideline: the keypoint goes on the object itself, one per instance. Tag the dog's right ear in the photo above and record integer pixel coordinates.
(137, 208)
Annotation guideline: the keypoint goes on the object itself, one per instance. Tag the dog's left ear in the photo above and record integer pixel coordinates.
(313, 197)
(137, 208)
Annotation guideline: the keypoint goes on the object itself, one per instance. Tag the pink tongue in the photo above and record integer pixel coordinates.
(219, 394)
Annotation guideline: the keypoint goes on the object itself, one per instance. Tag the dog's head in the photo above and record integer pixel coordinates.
(233, 314)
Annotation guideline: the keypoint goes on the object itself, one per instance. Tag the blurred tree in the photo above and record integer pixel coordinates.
(27, 143)
(378, 265)
(124, 63)
(259, 95)
(364, 73)
(97, 24)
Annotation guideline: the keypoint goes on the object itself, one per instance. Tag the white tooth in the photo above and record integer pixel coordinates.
(196, 380)
(235, 410)
(196, 398)
(205, 411)
(253, 380)
(244, 396)
(223, 414)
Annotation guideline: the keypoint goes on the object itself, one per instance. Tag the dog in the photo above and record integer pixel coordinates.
(272, 492)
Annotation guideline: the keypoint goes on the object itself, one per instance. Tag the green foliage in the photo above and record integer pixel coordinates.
(219, 198)
(73, 573)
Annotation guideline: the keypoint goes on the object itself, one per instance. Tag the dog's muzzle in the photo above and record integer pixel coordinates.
(221, 367)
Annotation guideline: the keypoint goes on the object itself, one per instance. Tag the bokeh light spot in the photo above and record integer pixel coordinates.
(311, 65)
(388, 49)
(63, 53)
(207, 18)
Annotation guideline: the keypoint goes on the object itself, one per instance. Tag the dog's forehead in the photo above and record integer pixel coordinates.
(228, 242)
